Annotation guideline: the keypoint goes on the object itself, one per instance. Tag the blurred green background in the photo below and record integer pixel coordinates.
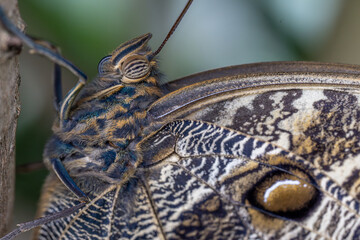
(213, 34)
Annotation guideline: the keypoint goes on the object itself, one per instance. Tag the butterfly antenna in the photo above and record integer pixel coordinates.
(178, 20)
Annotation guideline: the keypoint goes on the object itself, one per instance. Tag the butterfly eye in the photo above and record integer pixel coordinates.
(103, 66)
(135, 68)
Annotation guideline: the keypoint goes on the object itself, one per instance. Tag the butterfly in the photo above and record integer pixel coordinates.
(266, 150)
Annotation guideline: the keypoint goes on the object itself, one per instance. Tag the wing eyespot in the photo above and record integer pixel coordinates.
(285, 194)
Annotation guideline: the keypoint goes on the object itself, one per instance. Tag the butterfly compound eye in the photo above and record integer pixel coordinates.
(104, 64)
(135, 68)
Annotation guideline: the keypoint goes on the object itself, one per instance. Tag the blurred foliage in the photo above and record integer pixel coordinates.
(213, 34)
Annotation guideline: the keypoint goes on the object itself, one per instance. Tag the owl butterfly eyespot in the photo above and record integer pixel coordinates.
(255, 151)
(287, 195)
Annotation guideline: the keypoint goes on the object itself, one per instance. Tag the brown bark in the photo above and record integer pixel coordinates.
(9, 112)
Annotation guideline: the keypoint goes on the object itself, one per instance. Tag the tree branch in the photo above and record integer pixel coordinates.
(9, 112)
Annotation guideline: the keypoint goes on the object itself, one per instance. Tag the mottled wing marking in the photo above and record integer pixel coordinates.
(134, 216)
(195, 176)
(320, 125)
(213, 161)
(179, 104)
(113, 213)
(190, 209)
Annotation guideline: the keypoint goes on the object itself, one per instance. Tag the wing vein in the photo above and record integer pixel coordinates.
(152, 204)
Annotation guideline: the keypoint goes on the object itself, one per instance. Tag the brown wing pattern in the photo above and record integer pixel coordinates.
(272, 156)
(115, 212)
(316, 121)
(209, 187)
(213, 168)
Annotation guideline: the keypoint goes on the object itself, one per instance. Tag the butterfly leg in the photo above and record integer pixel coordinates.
(65, 178)
(56, 73)
(57, 86)
(40, 47)
(24, 227)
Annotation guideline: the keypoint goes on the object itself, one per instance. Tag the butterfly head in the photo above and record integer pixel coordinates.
(131, 62)
(129, 75)
(117, 99)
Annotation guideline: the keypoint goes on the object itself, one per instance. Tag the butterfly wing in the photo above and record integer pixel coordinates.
(211, 182)
(207, 176)
(264, 68)
(202, 185)
(115, 212)
(312, 114)
(306, 110)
